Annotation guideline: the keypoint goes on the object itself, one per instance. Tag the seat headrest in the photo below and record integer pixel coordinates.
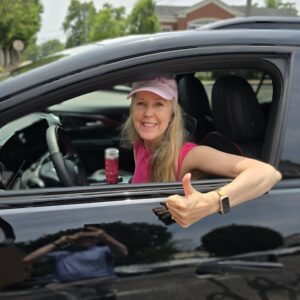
(192, 97)
(235, 109)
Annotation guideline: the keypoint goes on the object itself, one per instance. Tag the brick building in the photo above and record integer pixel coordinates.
(207, 11)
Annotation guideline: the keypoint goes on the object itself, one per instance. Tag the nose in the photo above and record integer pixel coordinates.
(148, 111)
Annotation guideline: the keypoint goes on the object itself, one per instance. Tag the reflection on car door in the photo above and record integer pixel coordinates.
(248, 252)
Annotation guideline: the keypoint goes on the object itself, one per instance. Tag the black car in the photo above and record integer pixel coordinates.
(255, 22)
(240, 93)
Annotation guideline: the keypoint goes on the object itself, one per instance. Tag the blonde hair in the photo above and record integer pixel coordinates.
(164, 158)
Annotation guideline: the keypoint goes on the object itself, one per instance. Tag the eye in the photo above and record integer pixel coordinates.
(139, 103)
(159, 103)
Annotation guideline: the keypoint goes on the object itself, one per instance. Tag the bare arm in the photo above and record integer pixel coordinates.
(42, 251)
(252, 178)
(117, 248)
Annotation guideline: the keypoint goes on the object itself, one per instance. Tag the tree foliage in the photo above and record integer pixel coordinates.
(78, 22)
(19, 20)
(51, 47)
(84, 24)
(35, 52)
(143, 18)
(290, 6)
(272, 3)
(110, 22)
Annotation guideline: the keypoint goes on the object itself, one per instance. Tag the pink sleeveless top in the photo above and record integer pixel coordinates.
(142, 158)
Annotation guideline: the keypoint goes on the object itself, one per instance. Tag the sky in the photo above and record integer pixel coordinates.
(56, 10)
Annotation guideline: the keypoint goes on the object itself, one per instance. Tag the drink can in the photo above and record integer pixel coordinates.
(111, 165)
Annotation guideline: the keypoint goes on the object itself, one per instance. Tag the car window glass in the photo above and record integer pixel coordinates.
(113, 97)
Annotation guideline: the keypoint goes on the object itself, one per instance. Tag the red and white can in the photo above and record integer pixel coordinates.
(111, 165)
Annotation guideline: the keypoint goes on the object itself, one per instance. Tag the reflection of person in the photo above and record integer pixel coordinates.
(85, 260)
(155, 128)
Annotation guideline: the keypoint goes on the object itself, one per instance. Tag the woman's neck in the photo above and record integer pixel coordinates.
(150, 145)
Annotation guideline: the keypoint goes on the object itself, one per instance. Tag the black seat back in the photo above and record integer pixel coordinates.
(194, 101)
(237, 114)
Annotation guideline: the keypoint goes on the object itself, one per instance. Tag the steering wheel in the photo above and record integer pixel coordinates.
(66, 161)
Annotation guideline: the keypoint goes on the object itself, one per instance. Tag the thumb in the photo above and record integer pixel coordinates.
(186, 183)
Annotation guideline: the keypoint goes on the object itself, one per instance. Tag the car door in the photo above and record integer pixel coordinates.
(253, 250)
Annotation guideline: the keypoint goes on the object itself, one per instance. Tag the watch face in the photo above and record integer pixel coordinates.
(225, 205)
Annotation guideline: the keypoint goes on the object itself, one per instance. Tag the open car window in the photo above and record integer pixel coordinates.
(92, 121)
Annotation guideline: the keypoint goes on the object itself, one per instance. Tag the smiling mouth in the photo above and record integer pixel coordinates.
(148, 125)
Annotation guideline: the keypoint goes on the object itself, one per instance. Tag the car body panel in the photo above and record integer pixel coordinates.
(150, 275)
(255, 22)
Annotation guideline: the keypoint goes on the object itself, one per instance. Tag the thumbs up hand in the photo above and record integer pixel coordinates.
(193, 206)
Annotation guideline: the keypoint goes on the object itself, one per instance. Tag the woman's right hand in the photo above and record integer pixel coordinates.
(193, 206)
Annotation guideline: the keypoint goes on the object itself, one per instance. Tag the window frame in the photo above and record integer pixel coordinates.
(163, 63)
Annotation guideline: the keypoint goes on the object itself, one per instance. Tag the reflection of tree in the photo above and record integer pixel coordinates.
(146, 243)
(237, 239)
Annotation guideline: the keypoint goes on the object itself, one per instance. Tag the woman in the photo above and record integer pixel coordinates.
(155, 128)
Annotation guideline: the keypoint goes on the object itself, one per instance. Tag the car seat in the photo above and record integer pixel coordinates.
(237, 114)
(194, 102)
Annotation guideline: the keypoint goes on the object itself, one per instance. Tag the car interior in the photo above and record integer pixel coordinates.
(225, 108)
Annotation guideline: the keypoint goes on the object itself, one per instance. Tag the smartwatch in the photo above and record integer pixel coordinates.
(224, 202)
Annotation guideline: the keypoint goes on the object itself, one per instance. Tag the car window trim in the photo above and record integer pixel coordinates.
(103, 193)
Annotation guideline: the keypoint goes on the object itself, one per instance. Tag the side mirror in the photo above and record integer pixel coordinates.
(7, 235)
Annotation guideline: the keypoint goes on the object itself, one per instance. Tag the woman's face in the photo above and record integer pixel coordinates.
(151, 116)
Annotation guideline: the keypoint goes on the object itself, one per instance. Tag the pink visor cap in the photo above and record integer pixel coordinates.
(164, 87)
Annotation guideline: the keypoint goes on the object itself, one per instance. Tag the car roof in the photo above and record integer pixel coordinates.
(255, 22)
(76, 60)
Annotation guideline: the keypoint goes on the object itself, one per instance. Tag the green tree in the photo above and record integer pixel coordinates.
(35, 52)
(290, 6)
(51, 47)
(78, 22)
(143, 18)
(109, 23)
(31, 53)
(19, 20)
(272, 3)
